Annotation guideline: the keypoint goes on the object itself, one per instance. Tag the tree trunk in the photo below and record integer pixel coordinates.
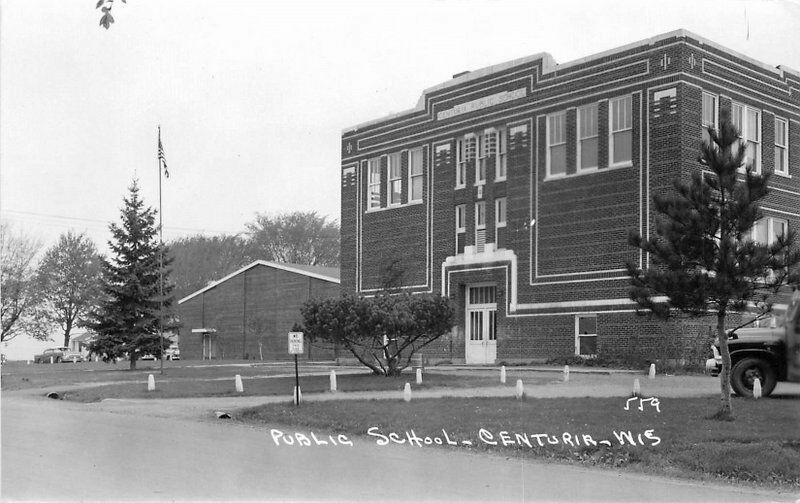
(133, 363)
(725, 412)
(67, 331)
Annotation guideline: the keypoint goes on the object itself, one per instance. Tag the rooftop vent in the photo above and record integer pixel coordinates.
(459, 74)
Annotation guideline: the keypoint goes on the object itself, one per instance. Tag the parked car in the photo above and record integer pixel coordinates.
(72, 357)
(51, 355)
(770, 353)
(173, 353)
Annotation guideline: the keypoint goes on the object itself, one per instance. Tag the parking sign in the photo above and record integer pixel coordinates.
(295, 343)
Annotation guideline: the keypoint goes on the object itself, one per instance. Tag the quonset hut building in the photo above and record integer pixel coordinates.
(512, 190)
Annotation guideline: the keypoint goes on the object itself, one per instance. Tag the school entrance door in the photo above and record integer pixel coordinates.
(481, 324)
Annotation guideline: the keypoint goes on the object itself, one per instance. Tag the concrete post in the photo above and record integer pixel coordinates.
(407, 392)
(652, 374)
(419, 376)
(757, 388)
(333, 380)
(566, 373)
(238, 383)
(637, 390)
(503, 374)
(520, 391)
(151, 383)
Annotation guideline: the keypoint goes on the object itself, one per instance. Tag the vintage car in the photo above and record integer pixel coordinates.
(51, 355)
(770, 353)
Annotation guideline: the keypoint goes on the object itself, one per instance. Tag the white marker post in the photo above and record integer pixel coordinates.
(296, 348)
(520, 391)
(566, 373)
(297, 395)
(503, 374)
(637, 390)
(151, 383)
(51, 359)
(239, 385)
(652, 374)
(407, 392)
(333, 380)
(756, 388)
(419, 376)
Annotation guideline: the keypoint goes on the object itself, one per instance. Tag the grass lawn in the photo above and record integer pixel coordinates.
(181, 388)
(762, 447)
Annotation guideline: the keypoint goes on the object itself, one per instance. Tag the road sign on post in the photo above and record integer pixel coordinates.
(296, 348)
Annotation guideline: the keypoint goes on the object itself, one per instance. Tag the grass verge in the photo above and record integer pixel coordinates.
(185, 388)
(762, 447)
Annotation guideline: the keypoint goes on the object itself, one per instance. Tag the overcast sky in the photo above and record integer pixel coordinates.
(252, 96)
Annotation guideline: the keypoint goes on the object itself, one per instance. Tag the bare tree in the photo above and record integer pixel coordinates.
(20, 302)
(298, 237)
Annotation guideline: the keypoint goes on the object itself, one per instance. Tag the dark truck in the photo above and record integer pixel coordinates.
(770, 353)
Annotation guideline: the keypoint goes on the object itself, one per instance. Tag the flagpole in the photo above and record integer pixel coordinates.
(160, 257)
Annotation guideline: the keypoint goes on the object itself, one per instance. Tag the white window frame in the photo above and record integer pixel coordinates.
(784, 145)
(373, 204)
(578, 335)
(578, 138)
(480, 159)
(771, 238)
(501, 160)
(612, 131)
(563, 116)
(481, 204)
(744, 132)
(412, 176)
(500, 224)
(398, 156)
(461, 222)
(703, 123)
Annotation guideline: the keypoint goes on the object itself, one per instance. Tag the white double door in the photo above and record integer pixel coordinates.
(481, 325)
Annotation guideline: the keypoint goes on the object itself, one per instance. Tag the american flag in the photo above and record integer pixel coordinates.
(161, 157)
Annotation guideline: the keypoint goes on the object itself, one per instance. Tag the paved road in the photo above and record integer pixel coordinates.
(128, 455)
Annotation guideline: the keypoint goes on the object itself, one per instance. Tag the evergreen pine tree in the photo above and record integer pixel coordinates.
(704, 260)
(127, 319)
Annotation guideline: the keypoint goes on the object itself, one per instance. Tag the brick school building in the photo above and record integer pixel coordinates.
(512, 189)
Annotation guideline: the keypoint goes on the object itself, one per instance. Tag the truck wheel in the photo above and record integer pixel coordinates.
(58, 360)
(746, 370)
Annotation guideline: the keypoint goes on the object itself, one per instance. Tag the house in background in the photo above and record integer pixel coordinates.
(512, 189)
(248, 314)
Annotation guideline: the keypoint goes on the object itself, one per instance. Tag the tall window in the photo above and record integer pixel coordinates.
(374, 181)
(585, 335)
(709, 115)
(501, 167)
(557, 144)
(499, 221)
(415, 178)
(748, 121)
(587, 137)
(395, 187)
(480, 225)
(461, 227)
(488, 149)
(620, 131)
(781, 146)
(466, 150)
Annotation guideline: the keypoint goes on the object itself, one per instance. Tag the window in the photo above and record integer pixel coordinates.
(500, 212)
(585, 335)
(587, 137)
(767, 230)
(466, 149)
(374, 182)
(557, 144)
(501, 167)
(461, 227)
(488, 148)
(415, 178)
(621, 131)
(395, 187)
(710, 111)
(781, 146)
(480, 225)
(748, 121)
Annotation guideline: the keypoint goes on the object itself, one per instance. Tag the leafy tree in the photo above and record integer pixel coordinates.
(198, 260)
(298, 237)
(704, 259)
(68, 281)
(20, 306)
(127, 319)
(382, 332)
(106, 20)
